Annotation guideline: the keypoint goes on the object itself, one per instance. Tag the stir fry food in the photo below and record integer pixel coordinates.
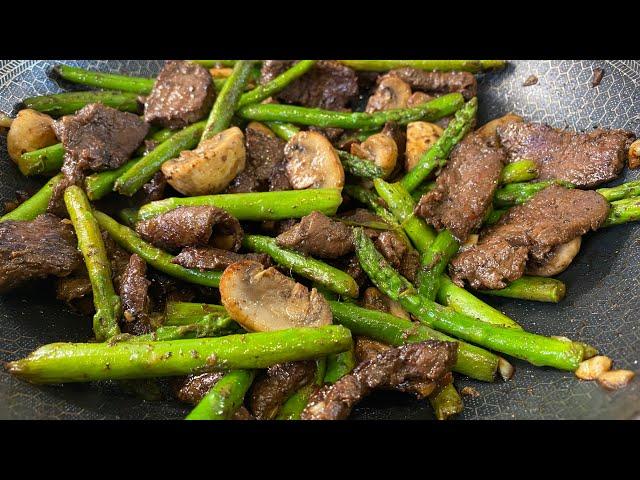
(278, 239)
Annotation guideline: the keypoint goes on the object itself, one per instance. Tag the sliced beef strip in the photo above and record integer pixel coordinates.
(194, 387)
(165, 289)
(398, 254)
(427, 361)
(189, 226)
(328, 84)
(36, 249)
(584, 159)
(464, 190)
(153, 190)
(211, 258)
(182, 94)
(319, 236)
(134, 293)
(554, 216)
(270, 391)
(438, 82)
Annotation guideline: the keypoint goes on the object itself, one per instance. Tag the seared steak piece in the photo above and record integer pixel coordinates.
(327, 84)
(211, 258)
(552, 217)
(195, 386)
(36, 249)
(134, 288)
(153, 190)
(272, 390)
(398, 254)
(438, 82)
(319, 236)
(189, 226)
(584, 159)
(183, 94)
(264, 169)
(427, 362)
(165, 289)
(464, 190)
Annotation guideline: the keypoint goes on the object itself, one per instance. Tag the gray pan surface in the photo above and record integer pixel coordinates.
(603, 283)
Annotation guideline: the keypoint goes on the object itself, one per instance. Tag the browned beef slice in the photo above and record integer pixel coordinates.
(189, 226)
(327, 84)
(134, 288)
(398, 254)
(165, 289)
(182, 94)
(264, 169)
(464, 190)
(195, 386)
(211, 258)
(438, 82)
(319, 236)
(584, 159)
(427, 361)
(552, 217)
(153, 190)
(272, 390)
(36, 249)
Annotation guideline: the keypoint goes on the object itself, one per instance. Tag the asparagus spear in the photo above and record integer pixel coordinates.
(129, 216)
(139, 173)
(358, 166)
(86, 362)
(620, 192)
(224, 398)
(339, 365)
(518, 193)
(277, 84)
(535, 349)
(205, 327)
(107, 303)
(185, 313)
(519, 171)
(98, 185)
(434, 261)
(214, 63)
(283, 130)
(158, 259)
(623, 211)
(307, 267)
(296, 403)
(437, 155)
(59, 104)
(108, 81)
(429, 111)
(34, 206)
(256, 206)
(539, 289)
(43, 161)
(227, 100)
(473, 66)
(447, 402)
(473, 361)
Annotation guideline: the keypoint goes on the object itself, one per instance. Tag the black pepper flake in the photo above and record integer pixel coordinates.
(598, 73)
(531, 80)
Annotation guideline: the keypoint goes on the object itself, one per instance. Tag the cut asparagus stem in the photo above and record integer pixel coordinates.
(205, 327)
(339, 365)
(185, 313)
(433, 263)
(277, 84)
(283, 130)
(108, 81)
(86, 362)
(620, 192)
(68, 103)
(359, 167)
(623, 211)
(214, 63)
(538, 289)
(519, 193)
(446, 403)
(296, 403)
(98, 185)
(519, 171)
(224, 398)
(34, 206)
(129, 216)
(42, 162)
(473, 66)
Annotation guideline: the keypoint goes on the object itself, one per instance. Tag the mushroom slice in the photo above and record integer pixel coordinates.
(420, 137)
(557, 260)
(418, 98)
(30, 130)
(263, 300)
(379, 148)
(390, 94)
(210, 167)
(634, 155)
(488, 130)
(312, 162)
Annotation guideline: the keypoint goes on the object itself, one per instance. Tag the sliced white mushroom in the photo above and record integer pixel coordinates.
(418, 98)
(379, 148)
(263, 300)
(488, 130)
(391, 93)
(210, 167)
(30, 130)
(420, 137)
(312, 162)
(634, 154)
(615, 379)
(557, 260)
(594, 367)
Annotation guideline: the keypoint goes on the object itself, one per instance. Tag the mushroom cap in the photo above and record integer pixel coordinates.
(420, 137)
(557, 260)
(263, 300)
(379, 148)
(30, 130)
(312, 162)
(391, 93)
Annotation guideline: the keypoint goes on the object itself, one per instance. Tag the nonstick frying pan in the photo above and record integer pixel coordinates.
(603, 283)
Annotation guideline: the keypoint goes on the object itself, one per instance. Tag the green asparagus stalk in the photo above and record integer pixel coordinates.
(422, 189)
(620, 192)
(339, 365)
(158, 259)
(473, 66)
(277, 84)
(434, 261)
(622, 211)
(256, 206)
(358, 166)
(34, 206)
(86, 362)
(429, 111)
(518, 193)
(473, 361)
(224, 398)
(494, 215)
(59, 104)
(214, 63)
(437, 155)
(99, 185)
(134, 177)
(107, 303)
(538, 289)
(107, 81)
(296, 403)
(375, 203)
(283, 130)
(519, 171)
(227, 100)
(205, 327)
(129, 216)
(307, 267)
(447, 402)
(185, 313)
(42, 162)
